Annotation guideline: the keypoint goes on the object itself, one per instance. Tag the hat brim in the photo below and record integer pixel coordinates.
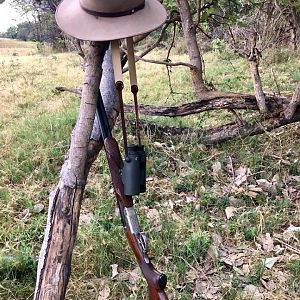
(76, 22)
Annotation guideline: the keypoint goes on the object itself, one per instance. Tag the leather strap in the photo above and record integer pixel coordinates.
(114, 14)
(134, 85)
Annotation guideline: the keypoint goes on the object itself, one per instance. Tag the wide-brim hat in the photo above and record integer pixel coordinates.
(106, 20)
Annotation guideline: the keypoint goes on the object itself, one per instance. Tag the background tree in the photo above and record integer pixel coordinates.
(41, 25)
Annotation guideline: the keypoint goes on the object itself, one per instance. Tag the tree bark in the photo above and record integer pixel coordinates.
(54, 265)
(189, 30)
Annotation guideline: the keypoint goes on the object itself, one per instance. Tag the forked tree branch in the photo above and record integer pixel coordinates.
(292, 107)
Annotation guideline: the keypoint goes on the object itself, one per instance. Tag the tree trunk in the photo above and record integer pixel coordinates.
(54, 265)
(258, 90)
(189, 30)
(295, 22)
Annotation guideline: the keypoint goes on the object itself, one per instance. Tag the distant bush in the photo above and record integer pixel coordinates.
(223, 51)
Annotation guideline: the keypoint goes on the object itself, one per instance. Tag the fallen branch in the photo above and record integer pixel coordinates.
(217, 101)
(288, 246)
(218, 134)
(212, 101)
(233, 130)
(66, 89)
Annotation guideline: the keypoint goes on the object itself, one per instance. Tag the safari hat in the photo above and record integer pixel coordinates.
(106, 20)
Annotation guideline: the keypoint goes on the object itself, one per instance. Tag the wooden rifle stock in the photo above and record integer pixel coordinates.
(155, 294)
(156, 280)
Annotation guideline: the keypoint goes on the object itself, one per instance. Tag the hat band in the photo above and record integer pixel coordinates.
(114, 14)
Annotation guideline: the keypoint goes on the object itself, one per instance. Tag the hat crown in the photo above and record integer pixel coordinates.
(110, 6)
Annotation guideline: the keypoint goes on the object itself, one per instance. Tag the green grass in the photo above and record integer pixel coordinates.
(35, 127)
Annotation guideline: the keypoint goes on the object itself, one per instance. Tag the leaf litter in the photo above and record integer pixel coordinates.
(234, 257)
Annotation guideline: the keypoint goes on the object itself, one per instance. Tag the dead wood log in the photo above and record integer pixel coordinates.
(217, 101)
(212, 101)
(217, 134)
(54, 265)
(234, 130)
(209, 101)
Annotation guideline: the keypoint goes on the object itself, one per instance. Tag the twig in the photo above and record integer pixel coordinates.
(79, 48)
(168, 58)
(238, 118)
(172, 42)
(169, 21)
(287, 245)
(170, 64)
(66, 89)
(276, 82)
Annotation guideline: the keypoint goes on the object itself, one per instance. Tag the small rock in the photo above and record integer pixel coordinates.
(38, 208)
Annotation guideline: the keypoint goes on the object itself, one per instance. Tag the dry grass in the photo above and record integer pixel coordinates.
(9, 48)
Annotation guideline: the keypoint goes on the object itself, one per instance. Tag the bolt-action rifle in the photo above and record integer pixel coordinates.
(137, 240)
